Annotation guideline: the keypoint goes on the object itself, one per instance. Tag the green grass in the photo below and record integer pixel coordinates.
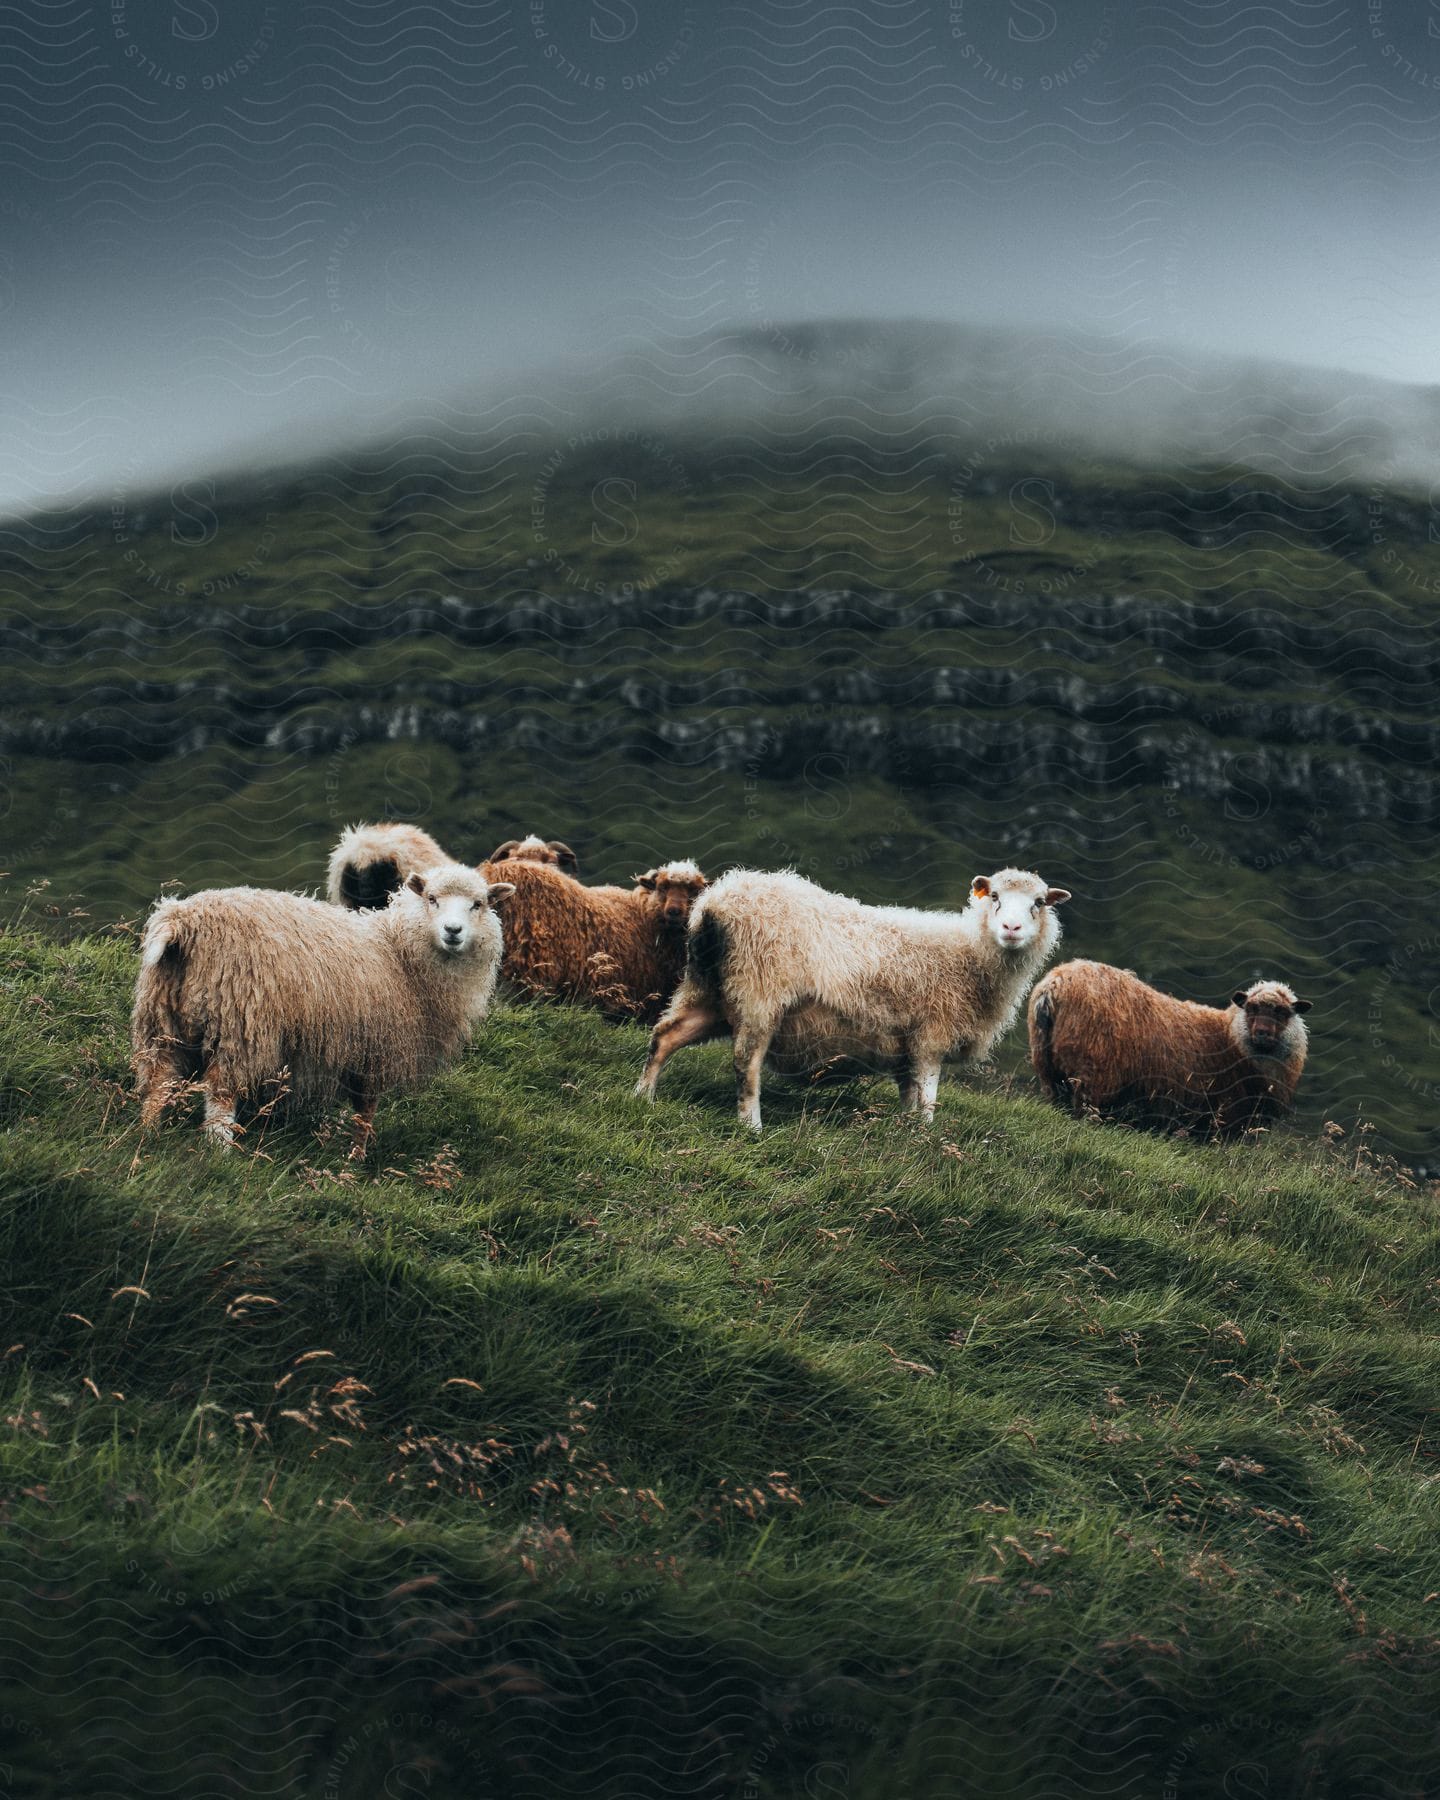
(1205, 703)
(1013, 1456)
(1159, 881)
(578, 1447)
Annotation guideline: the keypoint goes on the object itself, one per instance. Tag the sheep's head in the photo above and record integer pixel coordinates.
(1266, 1019)
(534, 849)
(1016, 907)
(676, 887)
(454, 902)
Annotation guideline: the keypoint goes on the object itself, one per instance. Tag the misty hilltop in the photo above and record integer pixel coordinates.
(908, 383)
(913, 393)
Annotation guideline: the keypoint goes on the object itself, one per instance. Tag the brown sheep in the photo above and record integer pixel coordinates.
(619, 949)
(537, 850)
(1106, 1042)
(239, 985)
(370, 861)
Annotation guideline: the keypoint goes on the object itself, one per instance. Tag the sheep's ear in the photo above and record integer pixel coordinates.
(1239, 997)
(1056, 896)
(566, 858)
(980, 888)
(416, 884)
(500, 890)
(646, 881)
(1302, 1006)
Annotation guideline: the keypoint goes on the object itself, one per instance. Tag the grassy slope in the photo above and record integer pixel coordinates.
(888, 1461)
(1196, 892)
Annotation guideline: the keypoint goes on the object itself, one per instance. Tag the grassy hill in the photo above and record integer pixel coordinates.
(578, 1448)
(1202, 699)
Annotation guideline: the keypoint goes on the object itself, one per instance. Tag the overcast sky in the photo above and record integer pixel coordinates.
(229, 222)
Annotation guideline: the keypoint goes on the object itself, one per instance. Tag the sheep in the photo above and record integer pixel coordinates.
(1107, 1042)
(537, 849)
(796, 975)
(239, 984)
(619, 949)
(370, 861)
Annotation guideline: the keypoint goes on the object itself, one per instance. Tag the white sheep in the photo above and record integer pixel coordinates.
(240, 985)
(370, 861)
(801, 975)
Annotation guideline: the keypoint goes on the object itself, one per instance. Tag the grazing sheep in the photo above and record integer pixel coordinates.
(800, 975)
(370, 861)
(1104, 1041)
(237, 985)
(619, 949)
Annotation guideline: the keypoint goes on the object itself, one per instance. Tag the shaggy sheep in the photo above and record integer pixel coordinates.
(237, 985)
(675, 887)
(370, 861)
(799, 975)
(619, 949)
(537, 849)
(1104, 1041)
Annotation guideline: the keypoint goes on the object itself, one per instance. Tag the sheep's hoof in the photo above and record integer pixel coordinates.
(643, 1090)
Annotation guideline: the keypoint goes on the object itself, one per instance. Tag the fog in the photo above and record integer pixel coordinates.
(250, 232)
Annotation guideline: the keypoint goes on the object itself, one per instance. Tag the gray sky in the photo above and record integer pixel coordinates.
(225, 222)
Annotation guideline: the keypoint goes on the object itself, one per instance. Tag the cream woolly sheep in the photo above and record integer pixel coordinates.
(370, 861)
(237, 985)
(1105, 1041)
(799, 975)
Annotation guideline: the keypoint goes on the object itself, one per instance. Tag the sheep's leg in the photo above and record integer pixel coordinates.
(219, 1117)
(751, 1043)
(695, 1025)
(906, 1082)
(919, 1079)
(158, 1079)
(162, 1070)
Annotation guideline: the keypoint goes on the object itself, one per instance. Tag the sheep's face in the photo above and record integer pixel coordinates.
(1266, 1020)
(455, 904)
(552, 853)
(1016, 908)
(676, 887)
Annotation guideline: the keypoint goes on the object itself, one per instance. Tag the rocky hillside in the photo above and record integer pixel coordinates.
(1205, 700)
